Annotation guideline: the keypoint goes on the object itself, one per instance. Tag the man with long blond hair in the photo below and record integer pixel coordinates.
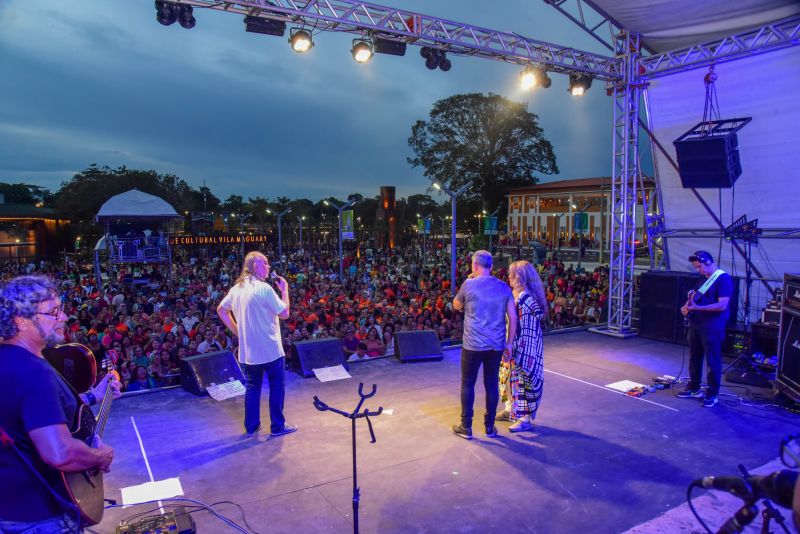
(522, 371)
(252, 310)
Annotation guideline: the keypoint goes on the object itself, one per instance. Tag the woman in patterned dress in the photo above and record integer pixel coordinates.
(522, 370)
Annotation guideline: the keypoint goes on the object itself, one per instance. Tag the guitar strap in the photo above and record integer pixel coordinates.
(710, 282)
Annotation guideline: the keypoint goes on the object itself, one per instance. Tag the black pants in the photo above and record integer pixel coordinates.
(707, 342)
(470, 363)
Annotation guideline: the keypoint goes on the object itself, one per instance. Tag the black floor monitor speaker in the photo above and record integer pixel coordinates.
(709, 162)
(316, 354)
(199, 372)
(417, 346)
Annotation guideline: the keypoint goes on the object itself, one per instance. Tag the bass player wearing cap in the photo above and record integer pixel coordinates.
(707, 311)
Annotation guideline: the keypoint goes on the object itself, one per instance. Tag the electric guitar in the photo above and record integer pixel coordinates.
(691, 299)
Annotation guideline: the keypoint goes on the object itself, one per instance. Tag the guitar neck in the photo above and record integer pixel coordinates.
(102, 415)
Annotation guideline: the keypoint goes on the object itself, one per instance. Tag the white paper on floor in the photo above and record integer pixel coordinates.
(388, 411)
(625, 385)
(220, 392)
(152, 491)
(327, 374)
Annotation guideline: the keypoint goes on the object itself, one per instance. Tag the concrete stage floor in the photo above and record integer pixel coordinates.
(598, 461)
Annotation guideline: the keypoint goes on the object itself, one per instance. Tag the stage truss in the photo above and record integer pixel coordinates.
(626, 75)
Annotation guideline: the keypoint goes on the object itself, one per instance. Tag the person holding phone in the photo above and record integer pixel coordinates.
(252, 310)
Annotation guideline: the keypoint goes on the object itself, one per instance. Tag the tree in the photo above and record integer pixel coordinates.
(26, 194)
(489, 141)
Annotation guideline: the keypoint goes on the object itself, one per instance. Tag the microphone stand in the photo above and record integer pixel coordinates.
(321, 406)
(769, 511)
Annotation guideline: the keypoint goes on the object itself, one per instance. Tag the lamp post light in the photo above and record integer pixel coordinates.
(494, 214)
(580, 233)
(242, 217)
(341, 208)
(424, 237)
(280, 234)
(453, 197)
(300, 223)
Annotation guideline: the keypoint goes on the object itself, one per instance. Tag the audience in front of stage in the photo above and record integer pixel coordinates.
(147, 328)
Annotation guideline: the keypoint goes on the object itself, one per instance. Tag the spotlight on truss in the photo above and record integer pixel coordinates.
(300, 40)
(579, 84)
(362, 50)
(166, 12)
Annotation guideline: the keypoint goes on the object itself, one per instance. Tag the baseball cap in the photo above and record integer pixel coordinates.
(702, 256)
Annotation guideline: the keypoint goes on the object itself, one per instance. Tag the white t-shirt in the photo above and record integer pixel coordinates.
(256, 307)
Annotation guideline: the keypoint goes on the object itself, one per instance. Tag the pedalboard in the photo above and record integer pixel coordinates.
(177, 521)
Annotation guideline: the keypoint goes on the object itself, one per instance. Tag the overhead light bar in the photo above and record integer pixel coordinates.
(300, 40)
(264, 26)
(579, 84)
(387, 46)
(362, 50)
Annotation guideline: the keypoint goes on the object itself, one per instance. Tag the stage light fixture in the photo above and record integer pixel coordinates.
(186, 16)
(264, 26)
(387, 46)
(579, 84)
(435, 58)
(166, 13)
(362, 50)
(531, 78)
(300, 40)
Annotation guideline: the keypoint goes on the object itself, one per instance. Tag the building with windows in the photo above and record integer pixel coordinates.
(29, 232)
(565, 209)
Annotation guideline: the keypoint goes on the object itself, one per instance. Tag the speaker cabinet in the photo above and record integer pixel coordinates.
(199, 372)
(316, 354)
(661, 295)
(418, 346)
(709, 162)
(788, 376)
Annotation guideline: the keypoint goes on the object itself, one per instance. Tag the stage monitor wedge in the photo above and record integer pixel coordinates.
(418, 346)
(316, 354)
(199, 372)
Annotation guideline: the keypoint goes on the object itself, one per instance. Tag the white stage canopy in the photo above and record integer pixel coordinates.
(135, 204)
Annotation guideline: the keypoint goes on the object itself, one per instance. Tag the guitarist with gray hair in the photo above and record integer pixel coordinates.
(707, 312)
(37, 409)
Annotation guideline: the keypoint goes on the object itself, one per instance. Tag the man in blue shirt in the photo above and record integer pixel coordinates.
(487, 303)
(707, 311)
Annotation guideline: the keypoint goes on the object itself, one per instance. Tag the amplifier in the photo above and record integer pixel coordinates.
(791, 290)
(771, 316)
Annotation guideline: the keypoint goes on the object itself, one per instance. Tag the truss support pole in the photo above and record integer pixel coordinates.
(624, 181)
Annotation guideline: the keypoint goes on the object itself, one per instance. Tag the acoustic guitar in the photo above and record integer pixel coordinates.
(85, 488)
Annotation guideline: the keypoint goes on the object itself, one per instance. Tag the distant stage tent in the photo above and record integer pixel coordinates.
(763, 87)
(135, 205)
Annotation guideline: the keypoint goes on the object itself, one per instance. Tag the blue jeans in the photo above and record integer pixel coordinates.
(705, 342)
(60, 524)
(252, 395)
(470, 364)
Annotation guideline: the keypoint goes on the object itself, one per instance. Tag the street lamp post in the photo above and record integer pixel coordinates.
(453, 197)
(494, 214)
(341, 208)
(580, 233)
(280, 234)
(424, 237)
(300, 222)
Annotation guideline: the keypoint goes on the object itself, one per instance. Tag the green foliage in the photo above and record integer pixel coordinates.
(26, 194)
(486, 140)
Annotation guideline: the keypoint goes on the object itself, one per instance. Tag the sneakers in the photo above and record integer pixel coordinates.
(710, 402)
(503, 416)
(254, 432)
(491, 432)
(287, 429)
(520, 426)
(462, 432)
(690, 394)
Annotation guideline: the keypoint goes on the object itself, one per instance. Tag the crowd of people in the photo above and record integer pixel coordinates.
(144, 325)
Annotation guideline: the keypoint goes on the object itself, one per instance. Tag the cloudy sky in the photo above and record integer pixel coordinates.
(100, 81)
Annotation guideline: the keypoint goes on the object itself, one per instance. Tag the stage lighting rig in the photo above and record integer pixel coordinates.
(362, 50)
(435, 58)
(531, 78)
(166, 12)
(579, 84)
(264, 26)
(387, 46)
(300, 40)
